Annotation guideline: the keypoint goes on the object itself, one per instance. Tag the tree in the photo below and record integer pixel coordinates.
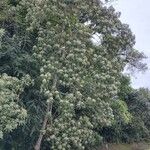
(139, 104)
(125, 87)
(74, 79)
(11, 114)
(122, 117)
(131, 115)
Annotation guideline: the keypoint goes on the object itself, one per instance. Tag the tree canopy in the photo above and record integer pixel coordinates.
(61, 86)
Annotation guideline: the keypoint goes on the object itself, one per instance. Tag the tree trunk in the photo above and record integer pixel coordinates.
(49, 108)
(39, 141)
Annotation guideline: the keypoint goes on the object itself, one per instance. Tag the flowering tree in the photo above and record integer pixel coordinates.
(11, 113)
(78, 77)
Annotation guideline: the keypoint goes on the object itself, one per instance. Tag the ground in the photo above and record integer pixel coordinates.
(134, 146)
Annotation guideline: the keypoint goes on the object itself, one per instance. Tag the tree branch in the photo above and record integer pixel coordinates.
(49, 109)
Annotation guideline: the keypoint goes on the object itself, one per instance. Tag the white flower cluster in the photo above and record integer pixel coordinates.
(11, 114)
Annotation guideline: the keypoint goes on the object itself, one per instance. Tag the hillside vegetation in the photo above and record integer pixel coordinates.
(61, 80)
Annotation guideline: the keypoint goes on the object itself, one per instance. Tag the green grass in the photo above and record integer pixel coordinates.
(134, 146)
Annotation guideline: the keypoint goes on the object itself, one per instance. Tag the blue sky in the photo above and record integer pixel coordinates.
(136, 13)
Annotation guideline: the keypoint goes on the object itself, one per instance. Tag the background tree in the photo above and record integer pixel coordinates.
(139, 105)
(136, 128)
(122, 116)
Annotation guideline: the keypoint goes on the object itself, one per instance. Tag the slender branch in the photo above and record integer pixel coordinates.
(39, 141)
(49, 108)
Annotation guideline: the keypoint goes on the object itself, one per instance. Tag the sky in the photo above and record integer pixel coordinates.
(136, 13)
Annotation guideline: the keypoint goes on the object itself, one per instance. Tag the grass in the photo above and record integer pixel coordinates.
(134, 146)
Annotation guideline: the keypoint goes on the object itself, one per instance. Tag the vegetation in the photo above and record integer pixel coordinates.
(137, 128)
(59, 89)
(133, 146)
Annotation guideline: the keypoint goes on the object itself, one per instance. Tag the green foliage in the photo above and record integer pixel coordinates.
(135, 111)
(75, 80)
(2, 32)
(125, 87)
(138, 103)
(11, 113)
(122, 117)
(121, 112)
